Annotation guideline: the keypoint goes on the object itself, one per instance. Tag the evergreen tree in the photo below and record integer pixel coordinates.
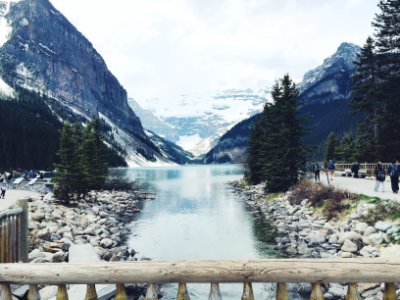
(331, 145)
(93, 160)
(68, 175)
(275, 152)
(366, 100)
(387, 36)
(346, 149)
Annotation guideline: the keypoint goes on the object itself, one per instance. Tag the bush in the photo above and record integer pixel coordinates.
(332, 201)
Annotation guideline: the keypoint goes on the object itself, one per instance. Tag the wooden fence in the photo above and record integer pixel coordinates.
(368, 168)
(281, 271)
(14, 234)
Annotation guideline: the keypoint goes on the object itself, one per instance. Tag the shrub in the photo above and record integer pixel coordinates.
(332, 201)
(120, 184)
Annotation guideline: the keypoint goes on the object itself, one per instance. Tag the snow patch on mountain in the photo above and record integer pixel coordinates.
(5, 89)
(198, 120)
(5, 26)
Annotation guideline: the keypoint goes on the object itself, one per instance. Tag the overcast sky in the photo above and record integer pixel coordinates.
(163, 48)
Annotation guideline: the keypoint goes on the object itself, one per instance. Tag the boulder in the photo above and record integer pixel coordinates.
(374, 238)
(360, 227)
(349, 246)
(369, 230)
(349, 235)
(383, 226)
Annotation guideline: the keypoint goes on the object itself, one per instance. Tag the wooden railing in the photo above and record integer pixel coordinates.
(368, 167)
(14, 234)
(281, 271)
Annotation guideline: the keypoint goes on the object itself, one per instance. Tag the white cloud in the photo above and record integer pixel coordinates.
(162, 48)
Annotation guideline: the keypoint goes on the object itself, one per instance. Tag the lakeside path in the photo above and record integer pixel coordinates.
(361, 186)
(12, 196)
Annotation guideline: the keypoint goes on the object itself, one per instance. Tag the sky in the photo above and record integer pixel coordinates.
(166, 48)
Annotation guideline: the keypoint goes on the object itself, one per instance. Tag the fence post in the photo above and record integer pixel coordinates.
(23, 242)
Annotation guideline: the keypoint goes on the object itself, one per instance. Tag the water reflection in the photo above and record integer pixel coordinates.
(196, 216)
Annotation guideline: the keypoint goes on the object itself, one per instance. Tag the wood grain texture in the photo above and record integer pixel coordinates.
(151, 293)
(91, 293)
(183, 293)
(352, 293)
(5, 292)
(33, 293)
(390, 292)
(206, 271)
(248, 293)
(281, 292)
(316, 292)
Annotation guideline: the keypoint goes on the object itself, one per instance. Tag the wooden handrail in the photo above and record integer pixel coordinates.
(203, 271)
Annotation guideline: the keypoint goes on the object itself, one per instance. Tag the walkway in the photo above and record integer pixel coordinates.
(362, 186)
(12, 196)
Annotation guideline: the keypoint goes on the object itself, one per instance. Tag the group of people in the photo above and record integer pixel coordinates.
(393, 171)
(317, 170)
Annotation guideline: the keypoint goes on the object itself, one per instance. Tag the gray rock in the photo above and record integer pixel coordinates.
(349, 246)
(44, 234)
(361, 227)
(349, 235)
(59, 256)
(383, 225)
(346, 255)
(106, 243)
(369, 230)
(303, 249)
(337, 290)
(374, 238)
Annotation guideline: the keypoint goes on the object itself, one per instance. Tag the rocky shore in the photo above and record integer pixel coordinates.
(302, 232)
(100, 219)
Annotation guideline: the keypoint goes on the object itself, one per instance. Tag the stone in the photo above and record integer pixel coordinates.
(349, 246)
(369, 230)
(374, 238)
(337, 290)
(44, 234)
(315, 237)
(303, 249)
(59, 256)
(360, 227)
(346, 255)
(106, 243)
(349, 235)
(383, 225)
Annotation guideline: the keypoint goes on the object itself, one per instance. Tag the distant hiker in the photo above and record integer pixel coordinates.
(31, 174)
(393, 171)
(317, 170)
(3, 185)
(355, 168)
(331, 168)
(380, 177)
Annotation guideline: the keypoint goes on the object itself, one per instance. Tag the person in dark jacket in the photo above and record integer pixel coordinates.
(317, 171)
(393, 171)
(355, 168)
(380, 177)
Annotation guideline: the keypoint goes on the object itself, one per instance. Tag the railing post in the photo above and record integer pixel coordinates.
(5, 292)
(247, 291)
(215, 293)
(62, 293)
(183, 293)
(281, 292)
(33, 293)
(352, 293)
(91, 293)
(151, 293)
(121, 294)
(23, 236)
(316, 292)
(390, 292)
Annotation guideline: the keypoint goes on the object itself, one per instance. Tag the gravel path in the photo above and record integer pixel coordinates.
(362, 186)
(13, 195)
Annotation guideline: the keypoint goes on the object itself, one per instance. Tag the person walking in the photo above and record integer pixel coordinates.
(380, 177)
(355, 168)
(331, 168)
(393, 171)
(317, 171)
(3, 185)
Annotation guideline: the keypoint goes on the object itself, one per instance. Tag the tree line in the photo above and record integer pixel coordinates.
(275, 152)
(375, 95)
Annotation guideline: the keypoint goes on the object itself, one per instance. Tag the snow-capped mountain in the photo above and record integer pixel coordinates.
(332, 80)
(195, 122)
(325, 94)
(41, 51)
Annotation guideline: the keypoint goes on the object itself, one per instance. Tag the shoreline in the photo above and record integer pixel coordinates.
(101, 219)
(302, 232)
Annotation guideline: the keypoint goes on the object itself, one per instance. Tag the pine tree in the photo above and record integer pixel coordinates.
(387, 36)
(331, 145)
(276, 153)
(93, 159)
(67, 175)
(345, 152)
